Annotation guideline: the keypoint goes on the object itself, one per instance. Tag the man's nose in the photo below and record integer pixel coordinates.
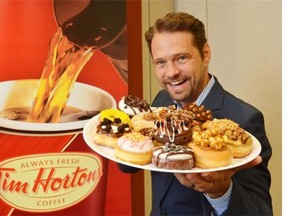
(172, 69)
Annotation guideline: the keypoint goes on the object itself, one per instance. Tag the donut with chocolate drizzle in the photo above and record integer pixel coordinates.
(133, 105)
(174, 128)
(172, 156)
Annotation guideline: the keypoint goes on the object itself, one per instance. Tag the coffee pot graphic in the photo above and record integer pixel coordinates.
(100, 24)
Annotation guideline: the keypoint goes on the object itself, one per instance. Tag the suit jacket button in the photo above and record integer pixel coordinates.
(163, 213)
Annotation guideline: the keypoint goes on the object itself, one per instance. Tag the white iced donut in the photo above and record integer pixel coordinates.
(134, 148)
(132, 105)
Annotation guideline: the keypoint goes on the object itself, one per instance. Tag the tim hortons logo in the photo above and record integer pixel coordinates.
(48, 182)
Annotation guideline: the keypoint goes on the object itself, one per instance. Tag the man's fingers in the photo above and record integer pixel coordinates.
(193, 178)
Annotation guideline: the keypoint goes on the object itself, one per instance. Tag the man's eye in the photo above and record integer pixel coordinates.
(182, 59)
(160, 63)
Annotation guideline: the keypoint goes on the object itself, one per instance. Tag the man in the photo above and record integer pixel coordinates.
(181, 56)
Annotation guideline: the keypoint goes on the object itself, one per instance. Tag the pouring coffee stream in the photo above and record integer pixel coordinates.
(99, 24)
(83, 27)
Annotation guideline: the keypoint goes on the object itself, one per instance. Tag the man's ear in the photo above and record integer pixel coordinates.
(206, 54)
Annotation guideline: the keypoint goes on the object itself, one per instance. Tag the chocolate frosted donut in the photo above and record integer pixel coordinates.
(171, 156)
(176, 127)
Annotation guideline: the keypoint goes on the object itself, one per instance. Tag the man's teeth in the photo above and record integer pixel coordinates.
(177, 82)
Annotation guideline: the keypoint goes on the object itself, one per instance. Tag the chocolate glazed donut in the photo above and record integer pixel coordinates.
(173, 129)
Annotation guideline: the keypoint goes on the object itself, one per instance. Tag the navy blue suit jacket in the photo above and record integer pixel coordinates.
(250, 194)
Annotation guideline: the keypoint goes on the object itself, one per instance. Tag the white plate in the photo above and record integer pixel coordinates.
(90, 129)
(20, 93)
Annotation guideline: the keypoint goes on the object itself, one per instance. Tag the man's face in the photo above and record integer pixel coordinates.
(179, 66)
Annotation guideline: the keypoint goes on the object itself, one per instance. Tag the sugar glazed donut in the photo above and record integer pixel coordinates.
(113, 124)
(171, 156)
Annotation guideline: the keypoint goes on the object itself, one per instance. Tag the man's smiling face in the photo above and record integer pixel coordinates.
(179, 66)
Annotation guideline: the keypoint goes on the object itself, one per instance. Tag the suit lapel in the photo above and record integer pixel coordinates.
(214, 99)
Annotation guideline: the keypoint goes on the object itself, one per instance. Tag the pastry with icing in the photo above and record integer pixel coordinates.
(174, 127)
(133, 105)
(134, 148)
(172, 156)
(112, 124)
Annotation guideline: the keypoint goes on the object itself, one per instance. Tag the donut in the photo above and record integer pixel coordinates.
(113, 114)
(241, 150)
(134, 148)
(210, 150)
(142, 121)
(172, 156)
(133, 105)
(199, 113)
(175, 127)
(145, 122)
(207, 158)
(233, 135)
(113, 124)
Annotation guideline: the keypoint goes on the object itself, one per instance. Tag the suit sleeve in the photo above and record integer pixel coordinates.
(127, 169)
(250, 194)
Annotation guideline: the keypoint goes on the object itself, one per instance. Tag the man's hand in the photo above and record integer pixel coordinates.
(214, 184)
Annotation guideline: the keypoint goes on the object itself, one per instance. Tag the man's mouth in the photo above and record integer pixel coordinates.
(177, 83)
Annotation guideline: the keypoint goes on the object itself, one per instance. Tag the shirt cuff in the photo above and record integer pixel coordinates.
(220, 204)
